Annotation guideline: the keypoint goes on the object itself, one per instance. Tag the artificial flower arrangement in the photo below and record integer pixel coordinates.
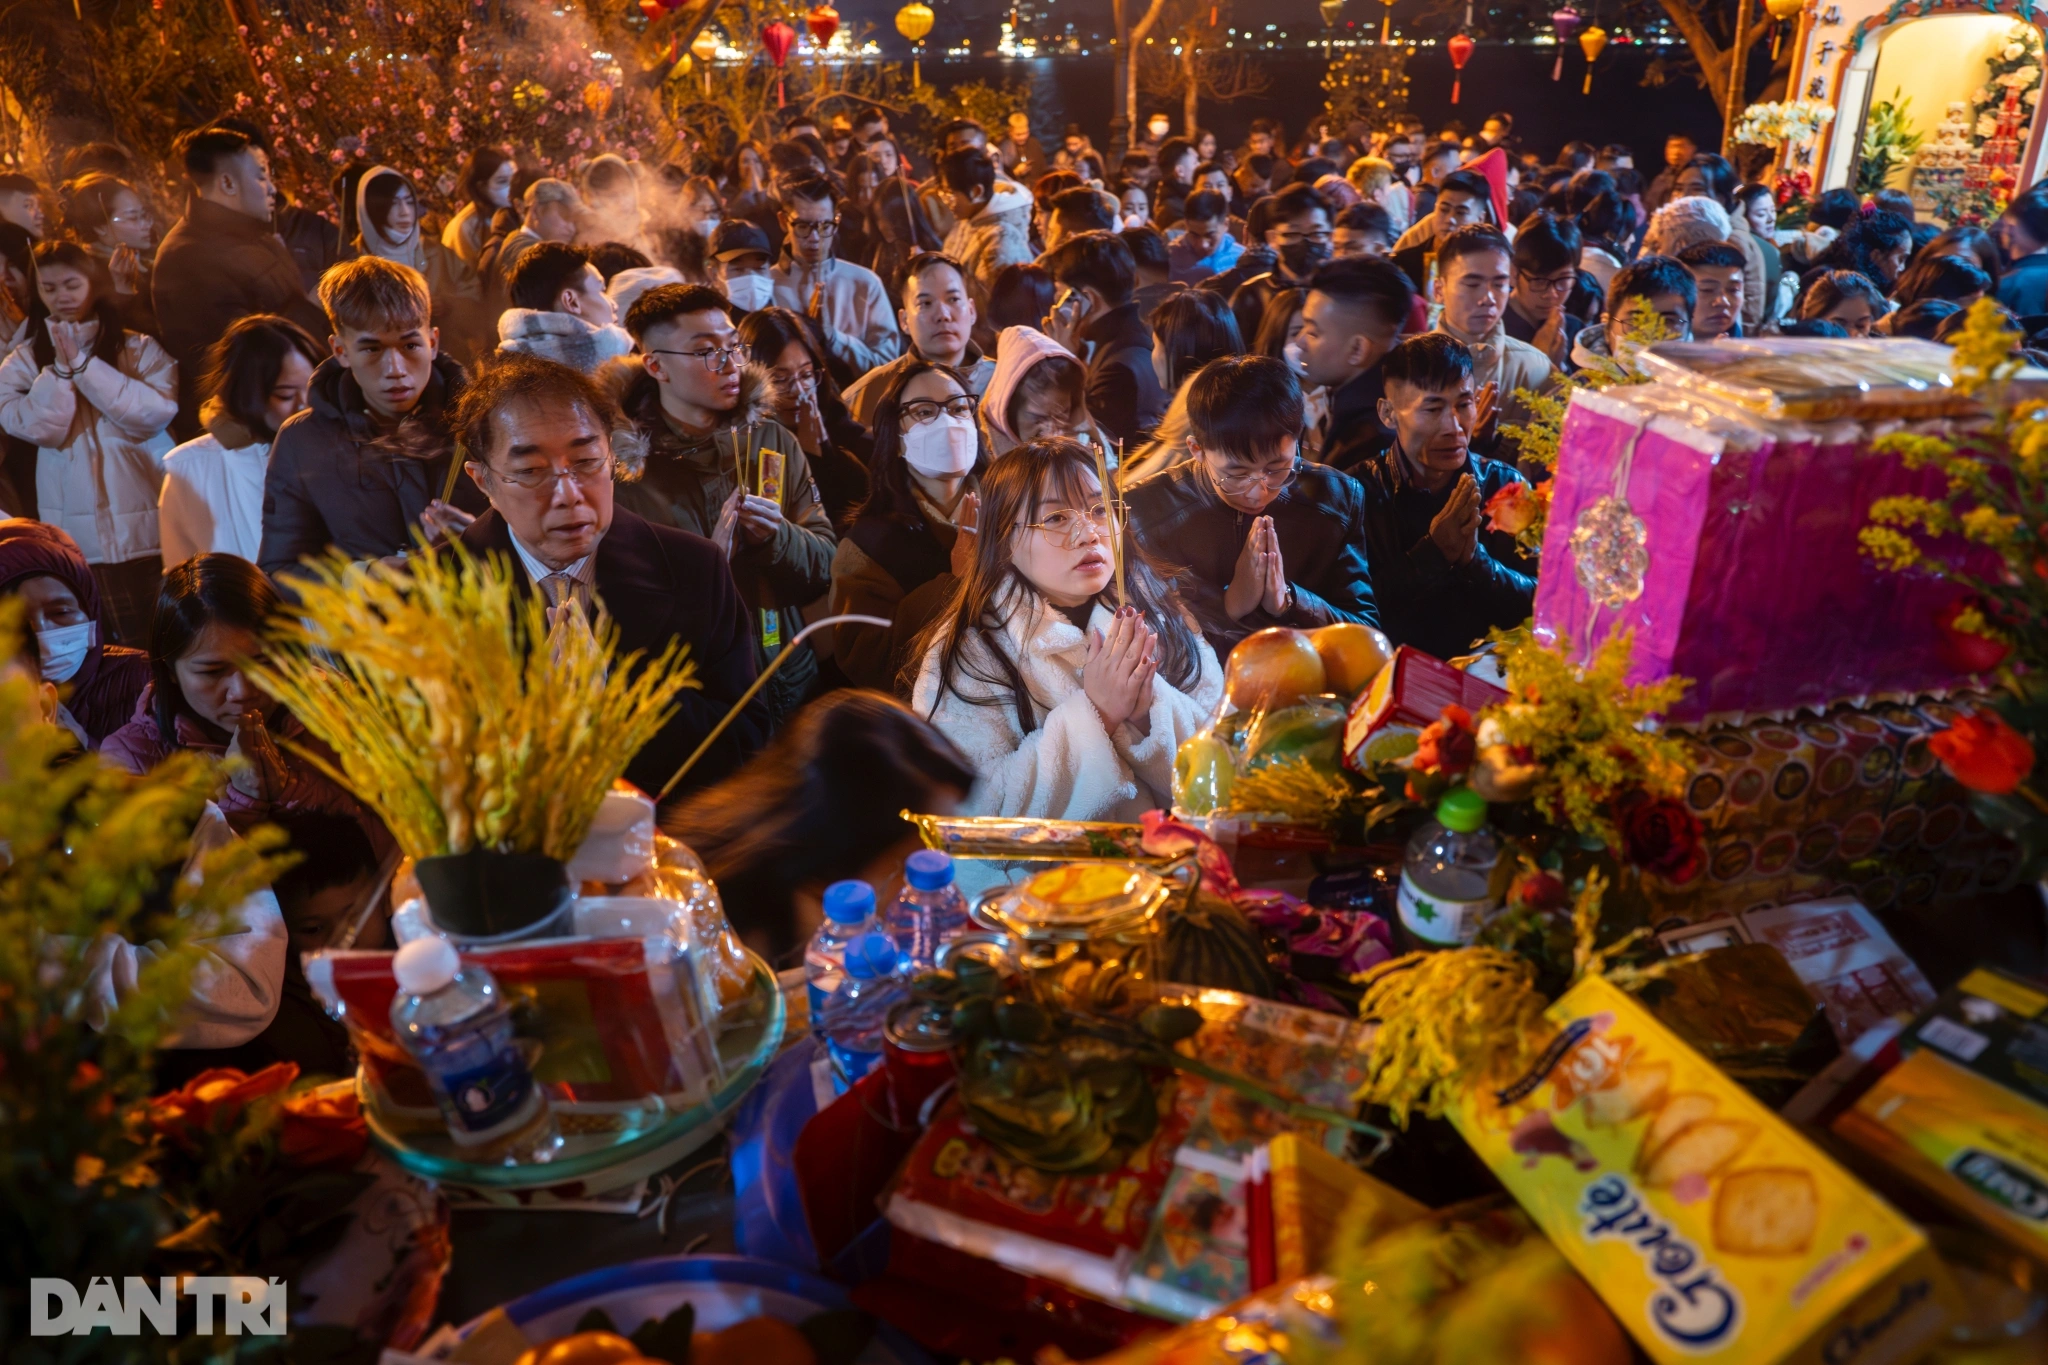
(1987, 533)
(1776, 123)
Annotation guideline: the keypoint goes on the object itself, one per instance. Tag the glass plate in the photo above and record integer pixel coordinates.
(638, 1143)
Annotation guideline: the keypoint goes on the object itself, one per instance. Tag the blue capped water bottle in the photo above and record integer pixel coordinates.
(929, 912)
(855, 1016)
(849, 913)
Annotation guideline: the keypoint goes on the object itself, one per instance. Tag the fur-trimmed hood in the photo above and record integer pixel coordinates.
(647, 429)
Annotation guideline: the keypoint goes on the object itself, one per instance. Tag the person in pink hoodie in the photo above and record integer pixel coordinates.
(1039, 389)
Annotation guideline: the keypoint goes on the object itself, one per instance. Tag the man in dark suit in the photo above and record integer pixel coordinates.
(539, 438)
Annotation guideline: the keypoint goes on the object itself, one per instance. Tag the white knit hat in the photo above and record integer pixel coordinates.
(1686, 222)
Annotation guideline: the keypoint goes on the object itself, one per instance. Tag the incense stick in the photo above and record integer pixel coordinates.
(1116, 521)
(455, 461)
(1116, 549)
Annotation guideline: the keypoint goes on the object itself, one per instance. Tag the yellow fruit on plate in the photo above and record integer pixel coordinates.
(583, 1348)
(1272, 668)
(1352, 655)
(757, 1341)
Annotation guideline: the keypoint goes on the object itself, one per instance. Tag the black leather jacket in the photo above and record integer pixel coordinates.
(1181, 522)
(1424, 600)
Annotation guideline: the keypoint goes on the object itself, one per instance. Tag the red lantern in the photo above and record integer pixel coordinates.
(823, 22)
(652, 9)
(1460, 46)
(778, 38)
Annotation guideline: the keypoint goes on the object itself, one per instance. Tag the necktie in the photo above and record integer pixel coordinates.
(557, 588)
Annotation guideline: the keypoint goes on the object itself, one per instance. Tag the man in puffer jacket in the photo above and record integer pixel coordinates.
(371, 459)
(993, 227)
(708, 467)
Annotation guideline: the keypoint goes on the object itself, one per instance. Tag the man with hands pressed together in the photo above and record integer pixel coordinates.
(709, 441)
(368, 460)
(1262, 537)
(847, 301)
(1440, 577)
(539, 439)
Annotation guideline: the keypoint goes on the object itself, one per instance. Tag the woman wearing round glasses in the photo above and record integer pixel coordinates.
(1068, 705)
(909, 544)
(116, 225)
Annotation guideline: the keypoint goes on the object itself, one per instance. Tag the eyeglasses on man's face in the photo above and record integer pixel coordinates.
(1250, 481)
(803, 227)
(1553, 285)
(587, 472)
(1288, 236)
(1070, 529)
(919, 411)
(717, 359)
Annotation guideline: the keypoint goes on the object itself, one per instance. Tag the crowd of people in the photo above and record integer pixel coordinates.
(724, 398)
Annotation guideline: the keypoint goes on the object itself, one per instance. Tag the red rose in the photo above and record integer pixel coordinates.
(1542, 891)
(1446, 745)
(210, 1102)
(1984, 753)
(1663, 837)
(1512, 509)
(1967, 650)
(324, 1127)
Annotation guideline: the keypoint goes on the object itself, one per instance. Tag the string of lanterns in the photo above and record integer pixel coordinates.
(1565, 22)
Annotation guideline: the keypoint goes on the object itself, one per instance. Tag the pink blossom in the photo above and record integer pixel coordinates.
(495, 86)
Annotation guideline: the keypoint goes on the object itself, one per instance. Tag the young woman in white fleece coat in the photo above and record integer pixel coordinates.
(1067, 707)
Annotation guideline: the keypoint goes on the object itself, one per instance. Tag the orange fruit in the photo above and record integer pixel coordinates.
(757, 1341)
(1273, 668)
(584, 1348)
(1352, 655)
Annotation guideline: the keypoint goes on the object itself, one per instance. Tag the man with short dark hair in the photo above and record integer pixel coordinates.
(711, 457)
(1350, 319)
(1096, 317)
(992, 227)
(956, 135)
(1263, 537)
(1679, 150)
(539, 440)
(1019, 153)
(1474, 272)
(1364, 229)
(1205, 246)
(1148, 255)
(21, 203)
(1441, 580)
(1299, 234)
(1649, 286)
(1546, 265)
(847, 301)
(560, 310)
(1716, 270)
(2023, 232)
(1463, 199)
(938, 317)
(223, 260)
(1075, 211)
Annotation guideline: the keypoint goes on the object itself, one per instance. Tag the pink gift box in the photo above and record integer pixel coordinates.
(1731, 550)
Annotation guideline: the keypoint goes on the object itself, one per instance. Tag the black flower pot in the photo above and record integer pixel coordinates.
(487, 894)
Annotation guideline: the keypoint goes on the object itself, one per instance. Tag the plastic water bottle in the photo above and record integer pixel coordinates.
(855, 1016)
(1448, 883)
(930, 912)
(849, 913)
(454, 1022)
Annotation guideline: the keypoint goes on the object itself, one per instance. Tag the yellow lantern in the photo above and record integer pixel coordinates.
(913, 21)
(1592, 42)
(705, 45)
(597, 98)
(1785, 12)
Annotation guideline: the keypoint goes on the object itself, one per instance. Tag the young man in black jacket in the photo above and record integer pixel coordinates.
(1351, 318)
(538, 436)
(1442, 576)
(1263, 538)
(370, 459)
(1096, 317)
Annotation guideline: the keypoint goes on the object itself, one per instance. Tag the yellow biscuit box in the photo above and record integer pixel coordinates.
(1713, 1230)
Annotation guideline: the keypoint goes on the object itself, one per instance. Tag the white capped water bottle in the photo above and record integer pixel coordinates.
(849, 913)
(454, 1022)
(929, 912)
(855, 1016)
(1450, 876)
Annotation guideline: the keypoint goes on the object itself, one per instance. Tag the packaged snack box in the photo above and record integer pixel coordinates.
(1712, 1230)
(1965, 1116)
(1405, 697)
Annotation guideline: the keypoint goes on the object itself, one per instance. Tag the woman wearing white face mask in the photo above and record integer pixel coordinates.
(907, 545)
(98, 683)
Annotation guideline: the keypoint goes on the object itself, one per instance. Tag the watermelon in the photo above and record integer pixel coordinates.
(1211, 943)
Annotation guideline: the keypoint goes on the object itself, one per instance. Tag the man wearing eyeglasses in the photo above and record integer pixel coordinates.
(1263, 537)
(711, 467)
(847, 301)
(539, 439)
(1546, 271)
